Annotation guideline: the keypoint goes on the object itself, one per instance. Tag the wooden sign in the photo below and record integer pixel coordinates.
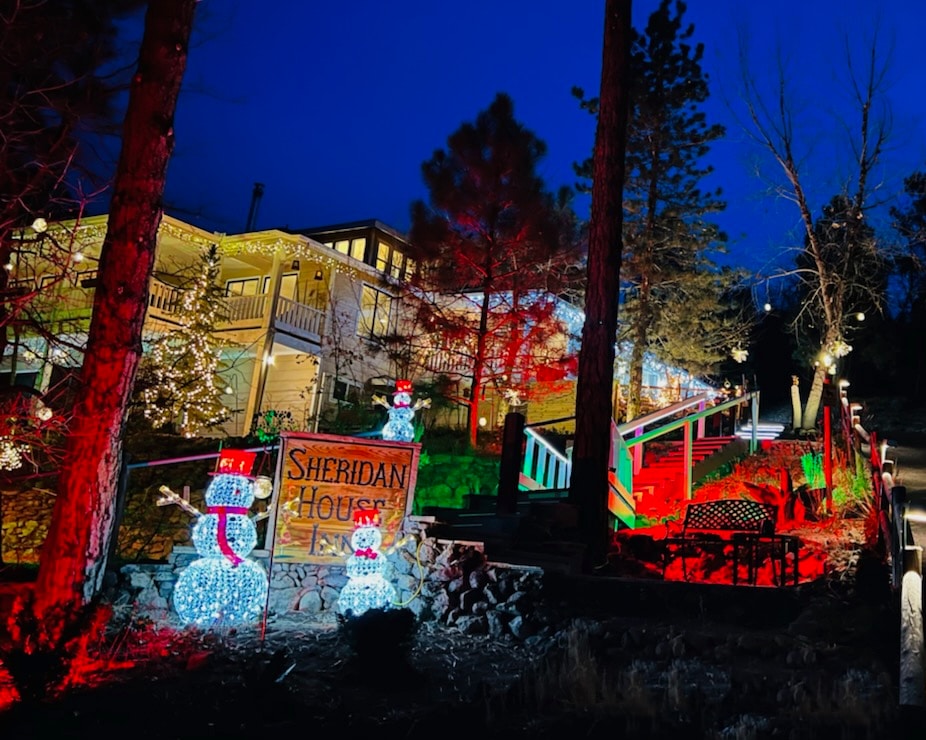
(321, 479)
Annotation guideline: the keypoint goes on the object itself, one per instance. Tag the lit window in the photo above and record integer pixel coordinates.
(382, 257)
(409, 268)
(398, 259)
(288, 284)
(243, 286)
(358, 248)
(377, 317)
(342, 246)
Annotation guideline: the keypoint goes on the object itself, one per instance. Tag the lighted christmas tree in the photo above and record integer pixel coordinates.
(185, 389)
(367, 587)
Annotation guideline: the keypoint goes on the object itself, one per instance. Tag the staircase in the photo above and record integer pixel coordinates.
(659, 486)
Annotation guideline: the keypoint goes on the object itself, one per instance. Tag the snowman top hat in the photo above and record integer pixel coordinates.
(366, 517)
(402, 386)
(235, 462)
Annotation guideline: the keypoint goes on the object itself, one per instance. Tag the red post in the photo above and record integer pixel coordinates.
(828, 456)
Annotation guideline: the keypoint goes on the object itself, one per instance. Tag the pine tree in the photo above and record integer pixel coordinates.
(183, 363)
(669, 243)
(491, 242)
(75, 552)
(591, 454)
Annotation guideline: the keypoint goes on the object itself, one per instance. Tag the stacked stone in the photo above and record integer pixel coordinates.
(447, 582)
(26, 516)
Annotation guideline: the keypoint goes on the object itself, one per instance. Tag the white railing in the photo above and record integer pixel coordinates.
(544, 466)
(444, 361)
(300, 317)
(245, 307)
(163, 297)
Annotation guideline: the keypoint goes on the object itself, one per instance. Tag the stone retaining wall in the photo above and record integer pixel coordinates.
(440, 580)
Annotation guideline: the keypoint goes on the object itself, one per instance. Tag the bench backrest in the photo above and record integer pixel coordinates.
(739, 515)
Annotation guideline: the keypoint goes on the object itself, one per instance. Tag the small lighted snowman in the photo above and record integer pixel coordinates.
(366, 587)
(399, 426)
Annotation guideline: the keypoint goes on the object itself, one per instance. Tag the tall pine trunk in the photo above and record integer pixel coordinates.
(588, 488)
(479, 367)
(74, 556)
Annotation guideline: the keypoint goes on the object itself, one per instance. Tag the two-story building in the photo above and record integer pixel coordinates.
(301, 326)
(306, 318)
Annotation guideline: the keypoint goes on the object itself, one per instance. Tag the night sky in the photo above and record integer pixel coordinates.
(334, 106)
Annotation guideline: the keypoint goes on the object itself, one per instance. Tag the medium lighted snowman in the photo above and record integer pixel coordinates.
(223, 585)
(366, 587)
(399, 426)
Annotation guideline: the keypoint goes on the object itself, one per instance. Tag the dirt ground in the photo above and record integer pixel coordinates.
(621, 658)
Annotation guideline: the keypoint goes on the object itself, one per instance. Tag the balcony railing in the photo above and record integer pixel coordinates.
(299, 317)
(163, 298)
(245, 311)
(241, 308)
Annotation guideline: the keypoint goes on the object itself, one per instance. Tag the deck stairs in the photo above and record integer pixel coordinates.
(660, 482)
(648, 467)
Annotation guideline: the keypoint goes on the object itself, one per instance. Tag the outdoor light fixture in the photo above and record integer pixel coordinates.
(319, 275)
(295, 264)
(767, 307)
(78, 257)
(482, 421)
(229, 390)
(860, 316)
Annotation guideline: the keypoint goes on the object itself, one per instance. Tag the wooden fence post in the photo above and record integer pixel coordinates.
(510, 469)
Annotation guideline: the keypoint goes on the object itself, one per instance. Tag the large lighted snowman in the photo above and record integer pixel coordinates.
(399, 426)
(366, 587)
(223, 585)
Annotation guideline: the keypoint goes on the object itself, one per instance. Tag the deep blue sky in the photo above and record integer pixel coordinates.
(334, 106)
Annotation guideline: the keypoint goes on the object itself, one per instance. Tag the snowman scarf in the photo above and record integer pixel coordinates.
(223, 512)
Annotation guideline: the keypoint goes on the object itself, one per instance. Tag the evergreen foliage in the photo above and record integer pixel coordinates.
(493, 245)
(675, 303)
(185, 390)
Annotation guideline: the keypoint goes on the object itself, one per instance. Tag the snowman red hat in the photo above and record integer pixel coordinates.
(366, 518)
(235, 462)
(402, 386)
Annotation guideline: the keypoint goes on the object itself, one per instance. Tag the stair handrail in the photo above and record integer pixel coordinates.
(626, 454)
(686, 403)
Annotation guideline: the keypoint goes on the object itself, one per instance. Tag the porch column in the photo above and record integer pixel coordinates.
(264, 348)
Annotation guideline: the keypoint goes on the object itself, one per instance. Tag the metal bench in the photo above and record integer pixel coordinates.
(714, 524)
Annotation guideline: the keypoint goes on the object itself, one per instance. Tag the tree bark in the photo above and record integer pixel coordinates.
(75, 553)
(588, 489)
